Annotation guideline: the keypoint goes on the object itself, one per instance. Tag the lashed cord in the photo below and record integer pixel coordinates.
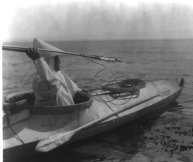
(9, 125)
(101, 70)
(112, 79)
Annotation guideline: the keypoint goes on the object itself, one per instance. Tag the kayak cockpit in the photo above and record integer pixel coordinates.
(19, 106)
(18, 101)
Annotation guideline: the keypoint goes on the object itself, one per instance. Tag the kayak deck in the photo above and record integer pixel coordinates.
(38, 127)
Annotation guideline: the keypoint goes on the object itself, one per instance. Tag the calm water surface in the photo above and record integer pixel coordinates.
(162, 136)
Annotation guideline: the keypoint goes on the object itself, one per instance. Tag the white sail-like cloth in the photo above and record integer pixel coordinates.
(51, 88)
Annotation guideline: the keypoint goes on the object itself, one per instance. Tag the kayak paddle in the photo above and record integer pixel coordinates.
(63, 137)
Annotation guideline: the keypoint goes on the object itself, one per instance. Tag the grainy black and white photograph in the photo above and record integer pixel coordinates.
(97, 81)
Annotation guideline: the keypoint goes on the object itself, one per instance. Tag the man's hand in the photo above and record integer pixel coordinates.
(32, 53)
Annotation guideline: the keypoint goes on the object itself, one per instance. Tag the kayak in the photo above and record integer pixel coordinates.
(25, 125)
(21, 137)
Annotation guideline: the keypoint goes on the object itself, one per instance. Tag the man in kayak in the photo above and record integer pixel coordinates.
(51, 87)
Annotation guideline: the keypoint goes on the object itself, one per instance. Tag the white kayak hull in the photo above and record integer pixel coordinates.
(31, 130)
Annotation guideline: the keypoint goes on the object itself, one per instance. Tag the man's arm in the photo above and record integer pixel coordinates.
(42, 68)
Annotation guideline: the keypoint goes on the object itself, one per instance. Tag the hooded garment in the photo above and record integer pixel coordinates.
(51, 88)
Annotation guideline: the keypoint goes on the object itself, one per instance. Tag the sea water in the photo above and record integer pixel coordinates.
(163, 136)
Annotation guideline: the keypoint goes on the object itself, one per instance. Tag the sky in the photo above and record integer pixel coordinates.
(97, 19)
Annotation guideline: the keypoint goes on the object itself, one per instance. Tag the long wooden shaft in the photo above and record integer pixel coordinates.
(14, 48)
(24, 49)
(114, 113)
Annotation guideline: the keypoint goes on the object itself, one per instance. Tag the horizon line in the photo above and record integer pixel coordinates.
(90, 40)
